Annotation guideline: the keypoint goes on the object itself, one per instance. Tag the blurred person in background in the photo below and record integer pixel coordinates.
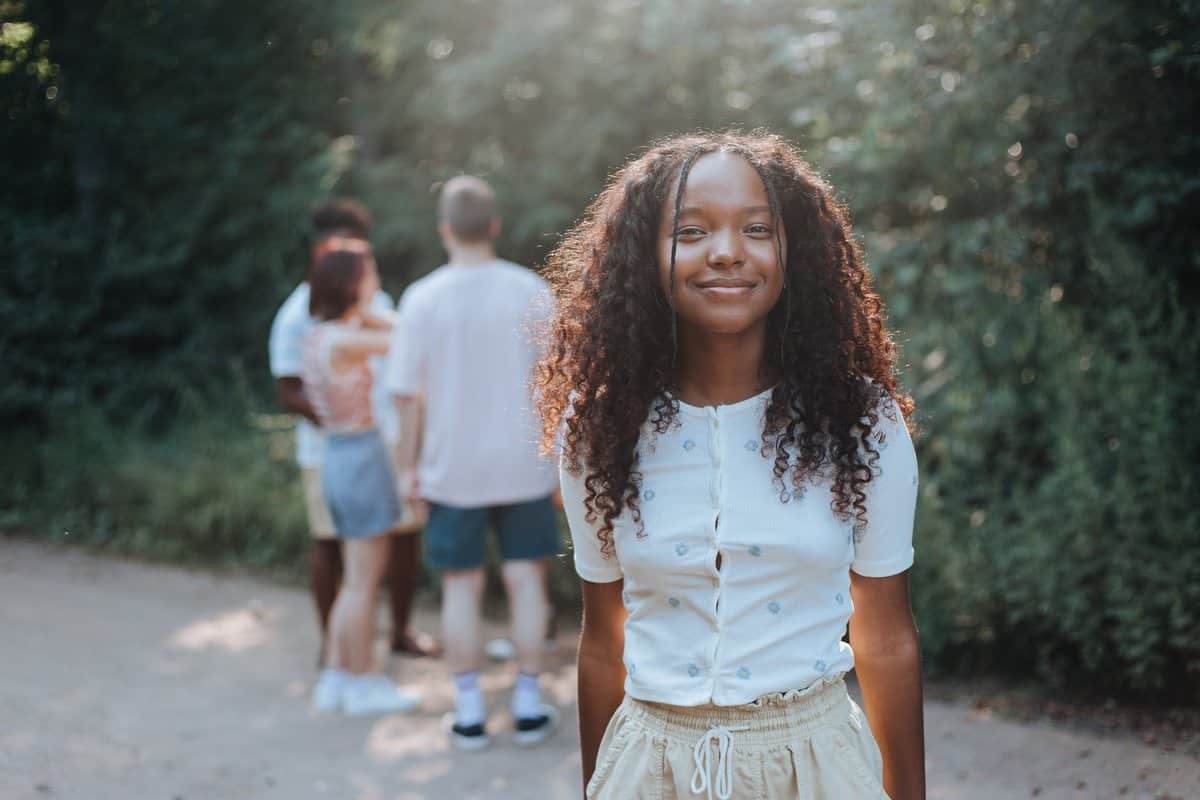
(338, 218)
(739, 481)
(459, 367)
(358, 479)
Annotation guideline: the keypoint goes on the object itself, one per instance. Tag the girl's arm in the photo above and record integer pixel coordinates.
(408, 446)
(289, 391)
(601, 666)
(351, 344)
(887, 661)
(378, 319)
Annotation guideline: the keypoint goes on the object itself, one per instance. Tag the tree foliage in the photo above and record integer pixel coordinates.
(1025, 177)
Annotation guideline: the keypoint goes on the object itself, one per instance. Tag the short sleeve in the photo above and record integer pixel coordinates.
(285, 348)
(590, 563)
(382, 301)
(405, 372)
(885, 547)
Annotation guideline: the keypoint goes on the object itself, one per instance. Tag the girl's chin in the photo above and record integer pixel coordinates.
(726, 324)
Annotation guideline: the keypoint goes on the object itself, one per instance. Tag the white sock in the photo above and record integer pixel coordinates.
(527, 697)
(469, 706)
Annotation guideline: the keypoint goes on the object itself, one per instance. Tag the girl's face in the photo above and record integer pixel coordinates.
(369, 284)
(727, 271)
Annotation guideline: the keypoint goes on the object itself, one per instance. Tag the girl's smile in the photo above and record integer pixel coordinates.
(721, 289)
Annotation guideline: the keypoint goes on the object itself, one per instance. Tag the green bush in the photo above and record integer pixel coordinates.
(1023, 176)
(217, 490)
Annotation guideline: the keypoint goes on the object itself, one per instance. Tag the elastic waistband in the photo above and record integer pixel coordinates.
(345, 437)
(769, 721)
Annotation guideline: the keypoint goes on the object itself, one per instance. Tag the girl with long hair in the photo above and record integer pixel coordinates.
(740, 484)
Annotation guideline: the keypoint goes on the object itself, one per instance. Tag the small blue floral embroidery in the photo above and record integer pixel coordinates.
(681, 549)
(751, 445)
(648, 495)
(837, 598)
(773, 606)
(755, 550)
(743, 673)
(859, 531)
(689, 445)
(673, 602)
(625, 598)
(631, 668)
(693, 670)
(820, 666)
(798, 494)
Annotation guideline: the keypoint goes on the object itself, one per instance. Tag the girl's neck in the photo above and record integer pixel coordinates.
(719, 369)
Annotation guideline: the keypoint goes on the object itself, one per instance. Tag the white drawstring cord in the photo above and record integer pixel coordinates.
(702, 757)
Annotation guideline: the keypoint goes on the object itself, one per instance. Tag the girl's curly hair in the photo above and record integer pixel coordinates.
(610, 363)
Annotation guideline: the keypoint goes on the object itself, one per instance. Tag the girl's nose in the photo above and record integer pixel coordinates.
(725, 249)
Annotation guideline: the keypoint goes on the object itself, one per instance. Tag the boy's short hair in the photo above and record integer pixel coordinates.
(340, 216)
(467, 206)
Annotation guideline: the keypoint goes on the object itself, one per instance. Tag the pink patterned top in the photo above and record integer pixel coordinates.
(341, 399)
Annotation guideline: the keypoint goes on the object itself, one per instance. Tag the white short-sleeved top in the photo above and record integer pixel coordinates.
(285, 349)
(772, 617)
(467, 342)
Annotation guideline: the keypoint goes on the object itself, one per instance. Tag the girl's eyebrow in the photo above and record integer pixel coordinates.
(747, 210)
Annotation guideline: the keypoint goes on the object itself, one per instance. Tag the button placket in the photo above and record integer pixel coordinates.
(716, 485)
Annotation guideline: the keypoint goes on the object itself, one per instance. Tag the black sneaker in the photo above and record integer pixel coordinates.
(530, 731)
(469, 738)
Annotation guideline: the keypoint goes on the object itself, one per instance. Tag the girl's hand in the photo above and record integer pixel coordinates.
(417, 509)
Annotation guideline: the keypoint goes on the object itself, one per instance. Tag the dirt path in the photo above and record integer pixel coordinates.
(120, 681)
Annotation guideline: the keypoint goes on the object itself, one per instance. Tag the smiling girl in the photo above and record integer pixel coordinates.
(739, 481)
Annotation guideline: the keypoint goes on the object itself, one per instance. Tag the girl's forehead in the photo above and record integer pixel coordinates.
(721, 179)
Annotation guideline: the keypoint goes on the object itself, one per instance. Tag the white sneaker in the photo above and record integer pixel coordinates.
(375, 694)
(327, 694)
(535, 730)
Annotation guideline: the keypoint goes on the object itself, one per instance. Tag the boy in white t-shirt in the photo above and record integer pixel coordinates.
(459, 366)
(344, 218)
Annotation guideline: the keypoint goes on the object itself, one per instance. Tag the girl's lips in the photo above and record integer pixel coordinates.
(725, 291)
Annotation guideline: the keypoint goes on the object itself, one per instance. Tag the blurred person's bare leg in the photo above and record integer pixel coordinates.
(324, 574)
(353, 623)
(462, 592)
(325, 555)
(402, 574)
(525, 584)
(348, 684)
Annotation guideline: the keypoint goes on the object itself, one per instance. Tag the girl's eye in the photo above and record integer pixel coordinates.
(690, 230)
(758, 227)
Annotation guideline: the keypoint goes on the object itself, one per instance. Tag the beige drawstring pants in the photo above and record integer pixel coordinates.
(812, 744)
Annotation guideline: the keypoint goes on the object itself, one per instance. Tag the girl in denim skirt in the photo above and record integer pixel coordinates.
(357, 477)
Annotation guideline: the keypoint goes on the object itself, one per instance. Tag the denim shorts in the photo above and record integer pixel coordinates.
(359, 485)
(455, 537)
